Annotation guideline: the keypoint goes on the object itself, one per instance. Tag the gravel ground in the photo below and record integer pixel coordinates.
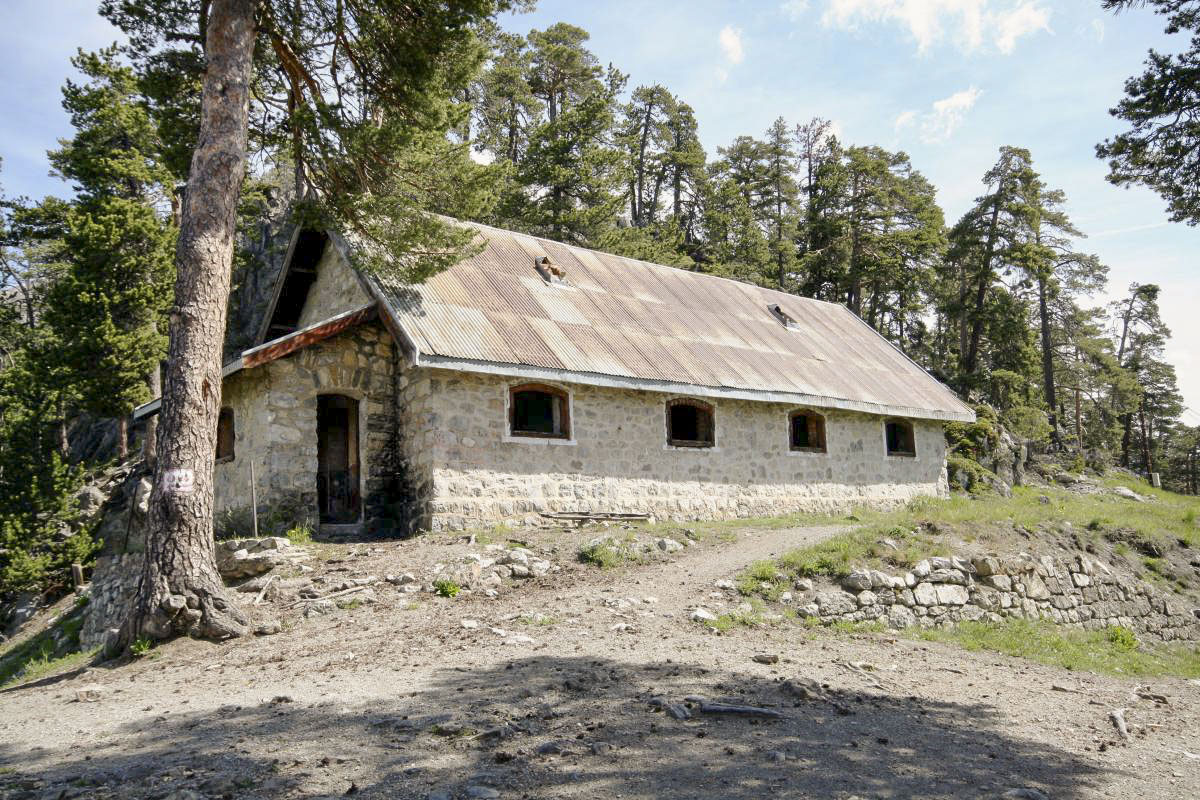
(397, 699)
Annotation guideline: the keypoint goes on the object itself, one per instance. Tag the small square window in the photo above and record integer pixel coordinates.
(899, 436)
(539, 411)
(807, 432)
(690, 424)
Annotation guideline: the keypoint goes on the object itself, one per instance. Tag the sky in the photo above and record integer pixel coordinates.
(947, 81)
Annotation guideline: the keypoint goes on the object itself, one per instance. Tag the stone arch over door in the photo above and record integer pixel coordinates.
(340, 468)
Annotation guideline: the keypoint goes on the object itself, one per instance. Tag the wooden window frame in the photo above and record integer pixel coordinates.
(700, 405)
(807, 412)
(912, 439)
(561, 396)
(226, 413)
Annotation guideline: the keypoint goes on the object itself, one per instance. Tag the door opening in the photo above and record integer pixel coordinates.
(338, 496)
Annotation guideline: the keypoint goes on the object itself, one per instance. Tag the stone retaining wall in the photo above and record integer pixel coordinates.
(940, 591)
(110, 595)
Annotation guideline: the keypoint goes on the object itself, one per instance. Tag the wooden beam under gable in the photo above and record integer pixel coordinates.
(289, 344)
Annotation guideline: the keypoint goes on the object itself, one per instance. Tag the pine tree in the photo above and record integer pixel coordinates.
(1162, 105)
(106, 312)
(572, 174)
(359, 98)
(981, 245)
(39, 537)
(506, 109)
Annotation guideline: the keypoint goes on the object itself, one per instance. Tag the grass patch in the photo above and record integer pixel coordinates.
(609, 552)
(53, 650)
(864, 626)
(899, 539)
(1163, 519)
(299, 535)
(1113, 651)
(753, 617)
(873, 545)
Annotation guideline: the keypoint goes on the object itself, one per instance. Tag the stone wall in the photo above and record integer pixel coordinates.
(467, 471)
(1081, 591)
(110, 595)
(337, 289)
(275, 420)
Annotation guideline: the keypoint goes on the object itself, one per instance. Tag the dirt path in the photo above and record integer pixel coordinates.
(399, 700)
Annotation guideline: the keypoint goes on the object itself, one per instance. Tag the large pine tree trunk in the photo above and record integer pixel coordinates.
(180, 590)
(1048, 387)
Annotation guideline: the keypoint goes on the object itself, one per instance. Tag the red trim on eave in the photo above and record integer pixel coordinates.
(305, 338)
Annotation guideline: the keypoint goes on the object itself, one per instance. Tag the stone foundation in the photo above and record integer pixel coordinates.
(1082, 592)
(466, 471)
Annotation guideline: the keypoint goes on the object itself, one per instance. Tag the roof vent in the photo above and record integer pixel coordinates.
(551, 273)
(783, 317)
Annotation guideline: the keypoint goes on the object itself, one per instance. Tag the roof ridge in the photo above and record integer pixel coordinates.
(696, 273)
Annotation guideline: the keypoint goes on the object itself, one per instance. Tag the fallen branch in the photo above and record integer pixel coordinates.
(1058, 687)
(749, 711)
(1117, 715)
(258, 600)
(342, 593)
(861, 668)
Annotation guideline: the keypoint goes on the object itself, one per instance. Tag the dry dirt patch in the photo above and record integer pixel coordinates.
(398, 699)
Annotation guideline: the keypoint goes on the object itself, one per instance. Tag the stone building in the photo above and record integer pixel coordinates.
(534, 377)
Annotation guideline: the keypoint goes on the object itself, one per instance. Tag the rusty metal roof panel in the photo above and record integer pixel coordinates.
(527, 346)
(634, 321)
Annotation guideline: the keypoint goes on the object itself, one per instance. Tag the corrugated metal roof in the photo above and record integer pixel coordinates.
(651, 326)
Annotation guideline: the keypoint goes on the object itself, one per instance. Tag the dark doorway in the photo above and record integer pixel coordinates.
(338, 497)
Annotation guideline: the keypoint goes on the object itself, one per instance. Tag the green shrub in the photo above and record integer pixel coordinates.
(1121, 638)
(141, 646)
(1027, 422)
(607, 552)
(446, 587)
(299, 534)
(969, 475)
(973, 440)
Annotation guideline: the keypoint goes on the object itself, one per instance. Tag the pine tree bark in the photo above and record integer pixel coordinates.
(123, 437)
(150, 443)
(1048, 387)
(181, 591)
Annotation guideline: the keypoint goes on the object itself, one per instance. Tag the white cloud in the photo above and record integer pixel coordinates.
(969, 24)
(1097, 27)
(943, 118)
(730, 39)
(948, 115)
(794, 9)
(1023, 20)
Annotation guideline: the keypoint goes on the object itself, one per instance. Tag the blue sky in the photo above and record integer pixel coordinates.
(948, 81)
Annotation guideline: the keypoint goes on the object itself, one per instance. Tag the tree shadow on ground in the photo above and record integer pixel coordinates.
(563, 727)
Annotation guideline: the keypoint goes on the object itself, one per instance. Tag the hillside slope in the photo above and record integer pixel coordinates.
(571, 684)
